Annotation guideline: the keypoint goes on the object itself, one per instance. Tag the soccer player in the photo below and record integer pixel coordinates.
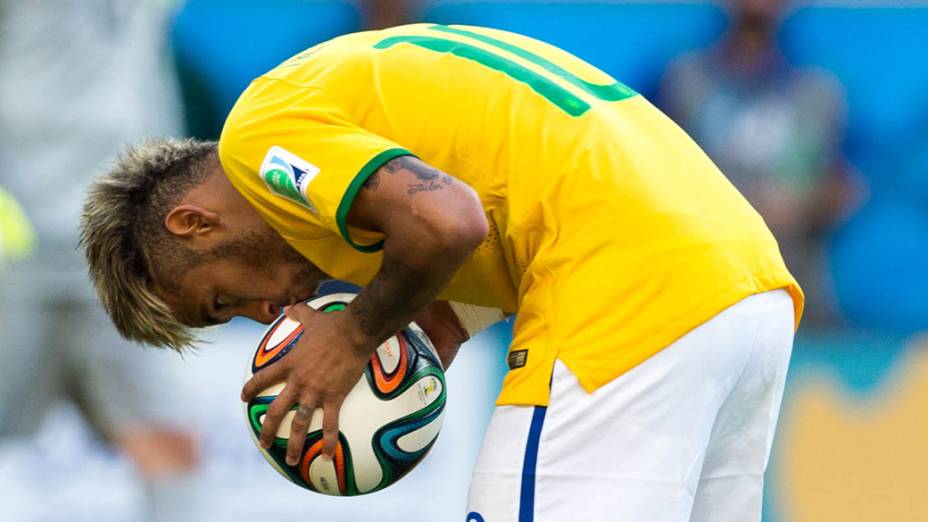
(430, 163)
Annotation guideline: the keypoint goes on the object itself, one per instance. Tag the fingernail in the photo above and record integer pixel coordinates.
(265, 444)
(326, 457)
(291, 461)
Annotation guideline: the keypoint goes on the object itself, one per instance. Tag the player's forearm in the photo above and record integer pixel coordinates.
(415, 269)
(431, 223)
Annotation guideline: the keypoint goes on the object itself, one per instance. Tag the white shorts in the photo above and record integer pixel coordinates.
(684, 436)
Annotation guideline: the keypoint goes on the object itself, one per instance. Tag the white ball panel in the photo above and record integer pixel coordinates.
(421, 438)
(285, 328)
(365, 414)
(361, 415)
(323, 476)
(272, 391)
(389, 354)
(429, 390)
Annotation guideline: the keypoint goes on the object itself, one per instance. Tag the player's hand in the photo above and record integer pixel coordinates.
(319, 371)
(444, 330)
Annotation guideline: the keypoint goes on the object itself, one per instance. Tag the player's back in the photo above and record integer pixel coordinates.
(519, 120)
(592, 194)
(487, 106)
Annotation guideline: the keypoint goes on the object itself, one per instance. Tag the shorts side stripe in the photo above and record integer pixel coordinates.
(527, 496)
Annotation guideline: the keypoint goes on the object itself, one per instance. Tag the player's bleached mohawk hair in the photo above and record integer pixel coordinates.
(122, 232)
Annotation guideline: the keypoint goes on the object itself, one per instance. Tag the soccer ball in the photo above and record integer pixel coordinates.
(388, 421)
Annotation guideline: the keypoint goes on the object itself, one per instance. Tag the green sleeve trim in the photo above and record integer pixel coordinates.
(341, 215)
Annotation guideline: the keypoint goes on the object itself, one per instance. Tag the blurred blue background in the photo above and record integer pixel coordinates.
(848, 445)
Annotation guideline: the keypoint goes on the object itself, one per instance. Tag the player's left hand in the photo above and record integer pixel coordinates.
(319, 371)
(444, 329)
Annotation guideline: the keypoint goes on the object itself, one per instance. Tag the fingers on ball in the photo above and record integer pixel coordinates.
(298, 428)
(330, 429)
(298, 312)
(262, 380)
(274, 416)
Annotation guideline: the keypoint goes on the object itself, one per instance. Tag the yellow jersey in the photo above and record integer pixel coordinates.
(611, 233)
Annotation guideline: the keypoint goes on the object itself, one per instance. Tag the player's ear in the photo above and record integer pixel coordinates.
(190, 220)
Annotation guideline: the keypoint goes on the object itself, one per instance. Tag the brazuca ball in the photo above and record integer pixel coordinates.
(388, 421)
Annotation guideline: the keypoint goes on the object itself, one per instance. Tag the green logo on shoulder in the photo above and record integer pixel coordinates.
(279, 181)
(288, 175)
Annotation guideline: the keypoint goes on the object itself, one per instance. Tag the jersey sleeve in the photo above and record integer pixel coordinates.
(295, 155)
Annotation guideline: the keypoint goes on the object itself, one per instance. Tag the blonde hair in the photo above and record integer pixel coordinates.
(122, 226)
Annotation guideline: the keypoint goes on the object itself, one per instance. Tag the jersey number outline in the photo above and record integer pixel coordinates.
(546, 87)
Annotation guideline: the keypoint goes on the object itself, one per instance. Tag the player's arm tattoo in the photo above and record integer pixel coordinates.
(389, 301)
(372, 181)
(420, 255)
(428, 179)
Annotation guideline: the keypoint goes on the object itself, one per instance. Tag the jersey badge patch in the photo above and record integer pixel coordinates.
(517, 359)
(288, 175)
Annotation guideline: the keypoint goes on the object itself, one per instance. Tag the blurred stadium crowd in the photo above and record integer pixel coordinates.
(817, 112)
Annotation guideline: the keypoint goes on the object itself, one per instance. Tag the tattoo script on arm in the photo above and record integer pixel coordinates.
(427, 179)
(418, 261)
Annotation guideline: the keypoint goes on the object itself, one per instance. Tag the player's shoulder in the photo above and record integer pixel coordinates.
(265, 112)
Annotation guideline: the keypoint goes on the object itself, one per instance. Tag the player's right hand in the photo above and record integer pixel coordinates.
(319, 371)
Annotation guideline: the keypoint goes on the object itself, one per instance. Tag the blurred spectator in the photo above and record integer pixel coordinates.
(776, 131)
(379, 14)
(77, 79)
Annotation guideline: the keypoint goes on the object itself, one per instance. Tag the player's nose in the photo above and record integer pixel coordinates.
(262, 310)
